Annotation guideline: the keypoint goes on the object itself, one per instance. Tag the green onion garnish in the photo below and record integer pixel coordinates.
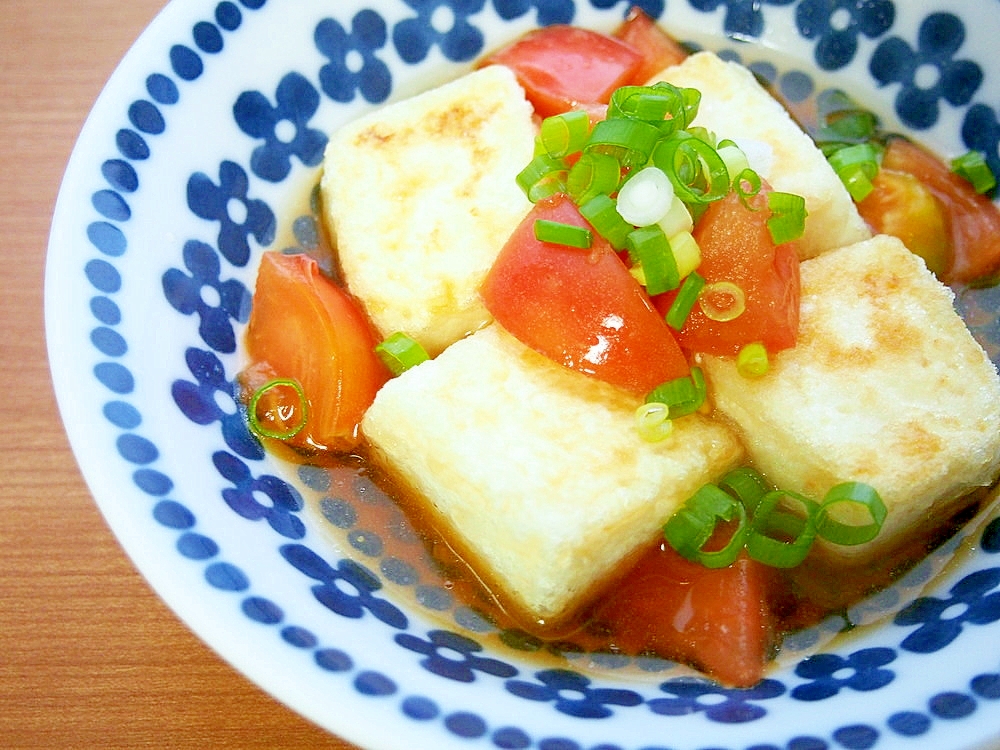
(645, 197)
(752, 360)
(856, 496)
(653, 423)
(856, 165)
(684, 302)
(399, 352)
(694, 167)
(693, 526)
(788, 217)
(602, 213)
(649, 248)
(683, 396)
(279, 410)
(564, 134)
(746, 485)
(780, 537)
(630, 141)
(722, 301)
(544, 176)
(593, 174)
(746, 185)
(973, 167)
(559, 233)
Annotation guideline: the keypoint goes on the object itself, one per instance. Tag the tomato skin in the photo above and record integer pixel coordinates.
(303, 326)
(563, 67)
(580, 308)
(973, 220)
(720, 620)
(736, 246)
(659, 50)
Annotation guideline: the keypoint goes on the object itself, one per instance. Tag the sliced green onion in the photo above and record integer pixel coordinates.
(630, 141)
(559, 233)
(788, 217)
(544, 176)
(693, 525)
(722, 301)
(973, 168)
(856, 166)
(602, 213)
(746, 485)
(281, 412)
(752, 360)
(399, 352)
(649, 248)
(646, 103)
(564, 134)
(645, 198)
(772, 519)
(694, 167)
(683, 396)
(858, 498)
(733, 157)
(687, 253)
(593, 173)
(746, 185)
(685, 300)
(653, 423)
(677, 219)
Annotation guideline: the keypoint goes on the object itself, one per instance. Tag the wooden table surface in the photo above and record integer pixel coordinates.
(89, 656)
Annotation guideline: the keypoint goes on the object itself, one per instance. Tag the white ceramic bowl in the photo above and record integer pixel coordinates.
(201, 153)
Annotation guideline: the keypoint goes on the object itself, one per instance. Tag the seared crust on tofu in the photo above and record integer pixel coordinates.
(420, 196)
(886, 386)
(538, 470)
(734, 105)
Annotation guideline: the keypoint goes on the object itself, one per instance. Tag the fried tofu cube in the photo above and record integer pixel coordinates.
(420, 196)
(886, 385)
(537, 470)
(734, 105)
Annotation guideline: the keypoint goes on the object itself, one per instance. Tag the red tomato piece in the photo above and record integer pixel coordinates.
(581, 308)
(659, 50)
(973, 220)
(563, 67)
(304, 327)
(718, 620)
(736, 247)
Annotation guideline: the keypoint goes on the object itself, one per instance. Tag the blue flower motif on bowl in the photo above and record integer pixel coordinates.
(549, 11)
(744, 18)
(975, 600)
(928, 73)
(454, 656)
(284, 127)
(862, 670)
(353, 65)
(442, 24)
(690, 695)
(572, 693)
(837, 25)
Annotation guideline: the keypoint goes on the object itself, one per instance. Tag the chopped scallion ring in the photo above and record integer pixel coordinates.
(856, 165)
(685, 300)
(722, 301)
(564, 134)
(646, 197)
(593, 174)
(747, 184)
(972, 166)
(693, 526)
(630, 141)
(746, 485)
(694, 167)
(772, 521)
(559, 233)
(649, 248)
(544, 176)
(602, 213)
(292, 415)
(788, 217)
(683, 395)
(752, 360)
(399, 352)
(653, 423)
(858, 497)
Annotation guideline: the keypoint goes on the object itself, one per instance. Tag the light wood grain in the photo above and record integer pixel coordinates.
(89, 656)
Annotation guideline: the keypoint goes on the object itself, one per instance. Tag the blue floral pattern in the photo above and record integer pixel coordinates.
(837, 25)
(353, 65)
(862, 670)
(928, 73)
(454, 656)
(571, 693)
(935, 69)
(975, 600)
(296, 101)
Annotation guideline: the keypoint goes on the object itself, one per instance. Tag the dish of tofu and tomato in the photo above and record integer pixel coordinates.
(652, 361)
(658, 410)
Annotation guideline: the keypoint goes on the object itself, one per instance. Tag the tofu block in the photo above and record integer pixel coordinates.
(734, 105)
(420, 196)
(537, 470)
(886, 386)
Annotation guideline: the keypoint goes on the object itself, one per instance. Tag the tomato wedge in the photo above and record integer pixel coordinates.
(305, 328)
(720, 620)
(973, 220)
(736, 248)
(659, 50)
(563, 68)
(580, 308)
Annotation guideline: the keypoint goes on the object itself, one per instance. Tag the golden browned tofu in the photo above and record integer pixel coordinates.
(420, 196)
(886, 386)
(538, 470)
